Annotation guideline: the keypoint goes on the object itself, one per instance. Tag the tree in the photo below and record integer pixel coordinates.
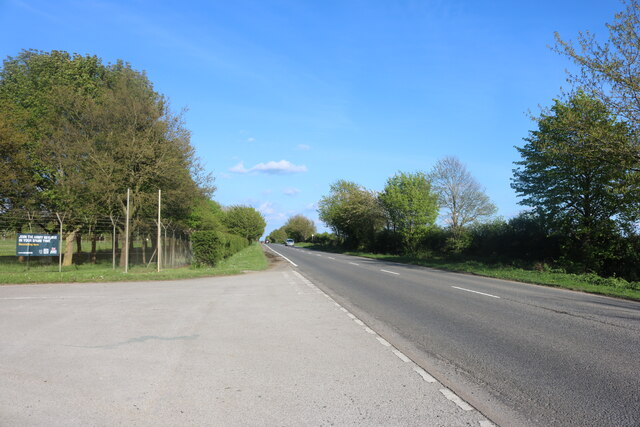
(88, 133)
(563, 177)
(353, 213)
(464, 201)
(411, 206)
(610, 71)
(245, 221)
(300, 228)
(278, 235)
(206, 214)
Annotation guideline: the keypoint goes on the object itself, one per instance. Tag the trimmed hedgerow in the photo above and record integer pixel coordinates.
(210, 247)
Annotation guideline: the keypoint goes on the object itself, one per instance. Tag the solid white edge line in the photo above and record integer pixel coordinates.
(353, 263)
(390, 272)
(475, 292)
(455, 399)
(278, 253)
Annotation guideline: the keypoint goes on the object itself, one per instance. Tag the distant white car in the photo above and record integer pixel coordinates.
(289, 242)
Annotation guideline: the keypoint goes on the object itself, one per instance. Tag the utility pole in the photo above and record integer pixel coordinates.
(159, 232)
(126, 238)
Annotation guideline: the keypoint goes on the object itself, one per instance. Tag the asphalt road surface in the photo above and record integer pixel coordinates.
(522, 354)
(260, 349)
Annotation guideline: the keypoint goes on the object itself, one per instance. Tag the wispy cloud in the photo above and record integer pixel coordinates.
(272, 167)
(291, 191)
(251, 139)
(266, 208)
(303, 147)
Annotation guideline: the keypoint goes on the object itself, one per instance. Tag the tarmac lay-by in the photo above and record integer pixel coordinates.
(266, 348)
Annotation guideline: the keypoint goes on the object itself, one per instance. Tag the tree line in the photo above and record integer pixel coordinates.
(579, 175)
(76, 134)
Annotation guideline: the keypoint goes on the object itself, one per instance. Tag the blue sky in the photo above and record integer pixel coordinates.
(286, 97)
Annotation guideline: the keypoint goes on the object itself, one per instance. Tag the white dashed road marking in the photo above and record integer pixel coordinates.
(390, 272)
(475, 292)
(455, 399)
(383, 342)
(353, 263)
(425, 376)
(401, 355)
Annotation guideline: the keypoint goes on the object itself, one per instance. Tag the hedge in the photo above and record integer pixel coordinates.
(210, 247)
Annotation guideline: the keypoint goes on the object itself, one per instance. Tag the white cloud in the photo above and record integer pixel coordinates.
(303, 147)
(239, 168)
(251, 139)
(272, 167)
(291, 191)
(266, 208)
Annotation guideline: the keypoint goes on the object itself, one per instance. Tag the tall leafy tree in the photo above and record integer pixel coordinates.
(610, 71)
(460, 195)
(90, 132)
(563, 177)
(245, 221)
(353, 213)
(299, 228)
(278, 235)
(411, 206)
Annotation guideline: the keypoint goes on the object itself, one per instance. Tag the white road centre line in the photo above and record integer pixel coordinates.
(330, 257)
(425, 376)
(278, 253)
(390, 272)
(401, 355)
(353, 263)
(475, 292)
(383, 342)
(455, 399)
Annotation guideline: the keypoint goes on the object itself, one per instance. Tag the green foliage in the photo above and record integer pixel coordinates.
(609, 71)
(244, 221)
(207, 247)
(210, 247)
(576, 174)
(411, 206)
(278, 236)
(206, 215)
(299, 228)
(353, 213)
(79, 133)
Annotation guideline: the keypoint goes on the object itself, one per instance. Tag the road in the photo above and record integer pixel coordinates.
(259, 349)
(522, 354)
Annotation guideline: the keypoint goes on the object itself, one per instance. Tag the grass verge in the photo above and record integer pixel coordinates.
(591, 283)
(251, 258)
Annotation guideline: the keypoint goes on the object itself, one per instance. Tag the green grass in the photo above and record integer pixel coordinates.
(591, 283)
(251, 258)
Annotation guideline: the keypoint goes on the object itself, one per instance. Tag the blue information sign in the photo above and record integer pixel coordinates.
(38, 245)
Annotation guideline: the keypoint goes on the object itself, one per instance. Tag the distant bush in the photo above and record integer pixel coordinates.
(210, 247)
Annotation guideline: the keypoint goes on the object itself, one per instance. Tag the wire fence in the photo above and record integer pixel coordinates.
(100, 241)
